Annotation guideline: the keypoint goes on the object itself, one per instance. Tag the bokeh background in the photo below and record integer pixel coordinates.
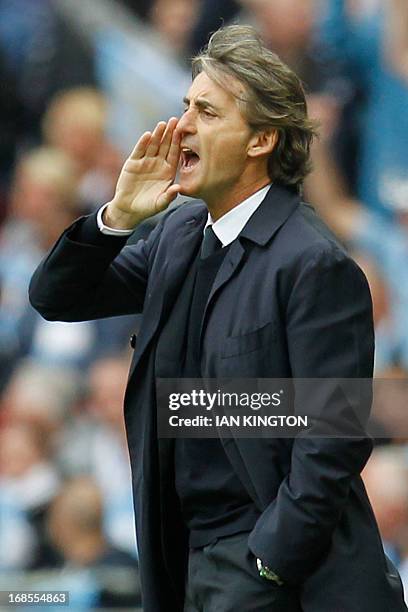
(80, 80)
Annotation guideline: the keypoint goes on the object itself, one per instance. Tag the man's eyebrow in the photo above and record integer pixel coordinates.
(201, 103)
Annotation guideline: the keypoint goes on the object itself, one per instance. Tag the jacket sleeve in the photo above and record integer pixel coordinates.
(330, 336)
(78, 281)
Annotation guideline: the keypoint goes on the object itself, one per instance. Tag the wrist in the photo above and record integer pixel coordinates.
(115, 218)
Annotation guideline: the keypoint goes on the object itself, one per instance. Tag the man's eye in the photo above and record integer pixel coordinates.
(208, 113)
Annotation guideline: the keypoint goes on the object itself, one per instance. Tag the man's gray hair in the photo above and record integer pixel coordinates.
(273, 97)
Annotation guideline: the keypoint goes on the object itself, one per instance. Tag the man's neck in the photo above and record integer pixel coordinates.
(221, 204)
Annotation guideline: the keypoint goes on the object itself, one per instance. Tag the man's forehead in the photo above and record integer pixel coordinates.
(204, 86)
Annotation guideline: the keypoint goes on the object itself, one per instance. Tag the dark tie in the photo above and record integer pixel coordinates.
(210, 243)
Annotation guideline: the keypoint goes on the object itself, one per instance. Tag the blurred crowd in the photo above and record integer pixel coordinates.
(65, 484)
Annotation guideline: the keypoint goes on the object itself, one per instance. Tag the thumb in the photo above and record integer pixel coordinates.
(168, 196)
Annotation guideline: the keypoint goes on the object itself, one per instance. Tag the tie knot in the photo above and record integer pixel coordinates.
(210, 243)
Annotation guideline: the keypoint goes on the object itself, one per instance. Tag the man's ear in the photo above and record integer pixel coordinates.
(263, 142)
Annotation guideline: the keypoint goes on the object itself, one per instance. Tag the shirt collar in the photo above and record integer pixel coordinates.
(230, 225)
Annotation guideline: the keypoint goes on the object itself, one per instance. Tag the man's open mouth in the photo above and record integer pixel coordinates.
(189, 159)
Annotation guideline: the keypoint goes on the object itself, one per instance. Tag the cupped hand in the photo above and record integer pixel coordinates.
(146, 182)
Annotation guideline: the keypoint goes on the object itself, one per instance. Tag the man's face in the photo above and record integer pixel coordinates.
(214, 141)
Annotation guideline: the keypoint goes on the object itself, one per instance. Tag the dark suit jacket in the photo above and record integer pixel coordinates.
(286, 302)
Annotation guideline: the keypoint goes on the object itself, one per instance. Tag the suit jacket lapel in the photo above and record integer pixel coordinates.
(226, 271)
(274, 210)
(185, 242)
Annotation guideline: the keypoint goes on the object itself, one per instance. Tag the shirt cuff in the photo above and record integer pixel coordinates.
(110, 231)
(86, 231)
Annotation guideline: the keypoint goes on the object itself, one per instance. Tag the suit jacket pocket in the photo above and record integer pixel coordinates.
(251, 341)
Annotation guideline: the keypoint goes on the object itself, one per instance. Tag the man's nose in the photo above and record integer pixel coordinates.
(187, 123)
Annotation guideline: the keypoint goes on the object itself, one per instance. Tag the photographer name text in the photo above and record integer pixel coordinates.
(238, 420)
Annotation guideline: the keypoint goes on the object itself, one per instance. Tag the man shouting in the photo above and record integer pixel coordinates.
(244, 282)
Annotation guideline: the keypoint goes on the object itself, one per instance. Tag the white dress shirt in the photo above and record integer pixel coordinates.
(230, 225)
(227, 228)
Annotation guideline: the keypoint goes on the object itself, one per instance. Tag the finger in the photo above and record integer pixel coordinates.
(168, 196)
(173, 155)
(155, 140)
(167, 136)
(141, 146)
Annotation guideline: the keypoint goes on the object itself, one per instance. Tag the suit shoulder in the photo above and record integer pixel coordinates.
(190, 210)
(306, 242)
(305, 233)
(164, 223)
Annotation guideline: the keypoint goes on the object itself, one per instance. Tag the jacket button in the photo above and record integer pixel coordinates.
(132, 341)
